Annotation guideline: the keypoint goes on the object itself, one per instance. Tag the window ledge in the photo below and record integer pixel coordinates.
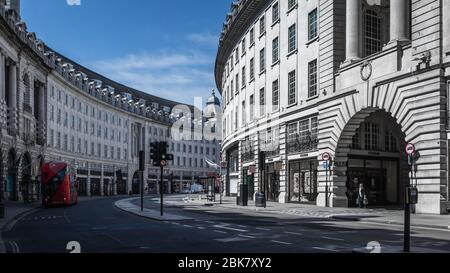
(251, 45)
(251, 80)
(312, 40)
(292, 105)
(262, 35)
(275, 22)
(243, 54)
(312, 98)
(292, 53)
(292, 8)
(276, 63)
(262, 72)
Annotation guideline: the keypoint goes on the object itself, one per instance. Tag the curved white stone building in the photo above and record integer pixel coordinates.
(52, 108)
(356, 79)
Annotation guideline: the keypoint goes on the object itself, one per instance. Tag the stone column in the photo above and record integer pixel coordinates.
(88, 181)
(42, 107)
(398, 20)
(102, 182)
(352, 30)
(2, 77)
(12, 85)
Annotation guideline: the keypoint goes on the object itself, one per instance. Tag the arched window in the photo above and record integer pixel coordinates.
(372, 33)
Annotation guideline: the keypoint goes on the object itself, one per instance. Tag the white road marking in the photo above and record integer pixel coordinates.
(264, 229)
(247, 236)
(233, 239)
(325, 249)
(230, 228)
(293, 233)
(188, 226)
(331, 238)
(201, 228)
(280, 242)
(219, 231)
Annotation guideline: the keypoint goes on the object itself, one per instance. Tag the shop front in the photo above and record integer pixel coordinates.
(248, 175)
(95, 186)
(303, 181)
(271, 186)
(380, 178)
(82, 186)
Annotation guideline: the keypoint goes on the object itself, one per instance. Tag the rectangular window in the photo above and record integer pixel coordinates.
(275, 95)
(262, 102)
(292, 88)
(262, 60)
(312, 78)
(312, 25)
(244, 80)
(262, 25)
(243, 46)
(292, 38)
(237, 83)
(252, 107)
(244, 119)
(252, 36)
(275, 12)
(252, 69)
(291, 4)
(372, 33)
(275, 50)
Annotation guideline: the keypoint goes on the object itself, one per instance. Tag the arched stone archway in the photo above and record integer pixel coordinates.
(370, 152)
(11, 177)
(26, 181)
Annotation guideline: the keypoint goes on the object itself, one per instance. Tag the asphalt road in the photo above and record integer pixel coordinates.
(99, 227)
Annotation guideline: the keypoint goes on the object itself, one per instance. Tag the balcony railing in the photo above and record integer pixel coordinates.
(302, 145)
(248, 155)
(40, 134)
(27, 108)
(272, 152)
(29, 139)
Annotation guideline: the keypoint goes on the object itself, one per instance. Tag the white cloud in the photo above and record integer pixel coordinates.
(178, 76)
(73, 2)
(203, 38)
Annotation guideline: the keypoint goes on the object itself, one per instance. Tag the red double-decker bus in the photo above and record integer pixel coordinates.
(59, 184)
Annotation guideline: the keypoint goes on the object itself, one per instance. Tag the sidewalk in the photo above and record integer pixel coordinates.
(128, 206)
(380, 216)
(13, 212)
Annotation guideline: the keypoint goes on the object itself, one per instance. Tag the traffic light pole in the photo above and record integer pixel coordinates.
(142, 189)
(161, 189)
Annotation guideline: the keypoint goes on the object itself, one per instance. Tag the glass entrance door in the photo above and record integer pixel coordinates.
(379, 177)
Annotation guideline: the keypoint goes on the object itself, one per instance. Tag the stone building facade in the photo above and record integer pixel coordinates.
(53, 109)
(356, 79)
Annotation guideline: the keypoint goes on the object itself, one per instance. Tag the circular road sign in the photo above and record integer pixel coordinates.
(163, 163)
(326, 157)
(410, 149)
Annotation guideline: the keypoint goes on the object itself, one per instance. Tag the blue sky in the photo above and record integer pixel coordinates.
(166, 48)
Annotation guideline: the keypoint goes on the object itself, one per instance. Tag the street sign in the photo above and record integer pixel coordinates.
(252, 169)
(326, 157)
(410, 149)
(163, 163)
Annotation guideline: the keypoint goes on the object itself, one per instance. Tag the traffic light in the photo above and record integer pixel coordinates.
(155, 154)
(159, 155)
